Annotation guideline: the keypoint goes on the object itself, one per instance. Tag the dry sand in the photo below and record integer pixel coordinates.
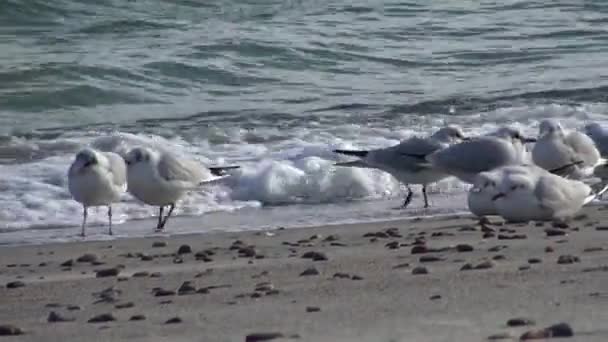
(366, 290)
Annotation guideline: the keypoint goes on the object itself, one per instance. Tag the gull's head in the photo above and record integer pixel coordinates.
(512, 134)
(594, 129)
(514, 184)
(485, 182)
(138, 155)
(86, 159)
(449, 134)
(550, 127)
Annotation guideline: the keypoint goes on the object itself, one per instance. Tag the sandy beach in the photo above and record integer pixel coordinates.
(439, 279)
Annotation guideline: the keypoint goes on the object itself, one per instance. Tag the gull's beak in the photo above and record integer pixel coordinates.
(497, 196)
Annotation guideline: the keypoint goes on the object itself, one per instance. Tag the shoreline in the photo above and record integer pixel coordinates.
(353, 282)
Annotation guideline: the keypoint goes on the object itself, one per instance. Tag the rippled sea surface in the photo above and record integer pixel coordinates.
(273, 86)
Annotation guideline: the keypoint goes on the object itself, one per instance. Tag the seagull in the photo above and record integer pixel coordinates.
(97, 178)
(403, 161)
(599, 135)
(556, 148)
(541, 196)
(465, 160)
(161, 179)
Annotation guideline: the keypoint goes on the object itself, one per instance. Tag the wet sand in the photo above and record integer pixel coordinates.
(441, 279)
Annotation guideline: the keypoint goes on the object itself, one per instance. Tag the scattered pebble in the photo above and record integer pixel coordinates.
(419, 249)
(464, 248)
(137, 318)
(141, 274)
(567, 259)
(15, 284)
(392, 245)
(247, 252)
(497, 248)
(264, 336)
(68, 263)
(158, 244)
(534, 261)
(602, 228)
(174, 320)
(484, 265)
(499, 257)
(184, 249)
(332, 238)
(88, 257)
(593, 249)
(562, 225)
(430, 258)
(11, 330)
(341, 275)
(404, 265)
(310, 272)
(103, 318)
(126, 305)
(549, 249)
(163, 293)
(466, 267)
(524, 268)
(178, 260)
(520, 322)
(73, 308)
(186, 288)
(420, 270)
(501, 336)
(357, 277)
(108, 272)
(156, 275)
(313, 309)
(315, 256)
(512, 237)
(55, 317)
(435, 297)
(557, 330)
(555, 232)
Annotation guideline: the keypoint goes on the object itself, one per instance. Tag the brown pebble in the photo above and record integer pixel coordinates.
(341, 275)
(126, 305)
(88, 257)
(392, 245)
(54, 317)
(108, 272)
(184, 249)
(137, 318)
(484, 265)
(73, 307)
(315, 256)
(534, 261)
(420, 270)
(313, 309)
(466, 267)
(567, 259)
(464, 248)
(435, 297)
(10, 330)
(163, 293)
(549, 249)
(264, 336)
(419, 249)
(174, 320)
(247, 252)
(158, 244)
(103, 318)
(512, 237)
(430, 258)
(555, 232)
(520, 322)
(310, 272)
(15, 284)
(68, 263)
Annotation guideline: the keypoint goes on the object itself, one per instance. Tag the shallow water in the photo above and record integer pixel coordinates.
(274, 86)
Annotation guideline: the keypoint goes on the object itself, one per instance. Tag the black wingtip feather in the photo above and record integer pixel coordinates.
(359, 154)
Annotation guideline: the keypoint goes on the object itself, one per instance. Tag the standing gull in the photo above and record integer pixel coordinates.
(97, 179)
(467, 159)
(161, 179)
(556, 148)
(402, 161)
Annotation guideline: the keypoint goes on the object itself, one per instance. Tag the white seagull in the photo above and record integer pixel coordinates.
(599, 135)
(97, 178)
(556, 149)
(403, 161)
(161, 179)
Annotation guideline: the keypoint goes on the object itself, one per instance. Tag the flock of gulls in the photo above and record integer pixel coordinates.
(548, 178)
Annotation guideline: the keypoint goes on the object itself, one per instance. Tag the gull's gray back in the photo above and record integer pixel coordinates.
(408, 154)
(117, 167)
(188, 172)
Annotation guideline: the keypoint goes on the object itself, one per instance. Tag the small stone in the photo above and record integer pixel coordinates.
(146, 257)
(467, 229)
(53, 305)
(341, 275)
(498, 257)
(42, 264)
(497, 248)
(534, 261)
(74, 308)
(103, 318)
(420, 270)
(311, 271)
(158, 244)
(264, 336)
(126, 305)
(430, 258)
(10, 330)
(520, 322)
(419, 249)
(549, 249)
(156, 275)
(392, 245)
(567, 259)
(163, 293)
(435, 297)
(524, 267)
(108, 272)
(15, 284)
(141, 274)
(68, 263)
(184, 249)
(247, 252)
(393, 232)
(466, 267)
(501, 336)
(555, 232)
(601, 228)
(178, 260)
(186, 289)
(54, 317)
(512, 237)
(557, 330)
(89, 257)
(313, 309)
(315, 256)
(174, 320)
(332, 238)
(561, 225)
(357, 277)
(137, 318)
(484, 265)
(404, 265)
(464, 248)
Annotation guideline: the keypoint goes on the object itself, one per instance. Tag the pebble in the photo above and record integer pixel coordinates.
(392, 245)
(247, 252)
(156, 275)
(68, 263)
(126, 305)
(404, 265)
(602, 228)
(184, 249)
(73, 307)
(178, 260)
(264, 336)
(420, 270)
(332, 238)
(567, 259)
(549, 249)
(557, 330)
(467, 229)
(484, 265)
(15, 284)
(186, 288)
(419, 249)
(310, 272)
(315, 256)
(534, 261)
(435, 297)
(430, 258)
(108, 272)
(10, 330)
(512, 237)
(158, 244)
(497, 248)
(357, 277)
(141, 274)
(464, 248)
(520, 322)
(137, 318)
(163, 293)
(174, 320)
(524, 267)
(54, 317)
(88, 257)
(466, 267)
(341, 275)
(498, 257)
(103, 318)
(593, 249)
(562, 225)
(313, 309)
(146, 257)
(555, 232)
(501, 336)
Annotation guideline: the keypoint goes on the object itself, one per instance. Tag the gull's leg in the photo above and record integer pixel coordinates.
(408, 198)
(110, 220)
(426, 200)
(84, 220)
(162, 226)
(159, 226)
